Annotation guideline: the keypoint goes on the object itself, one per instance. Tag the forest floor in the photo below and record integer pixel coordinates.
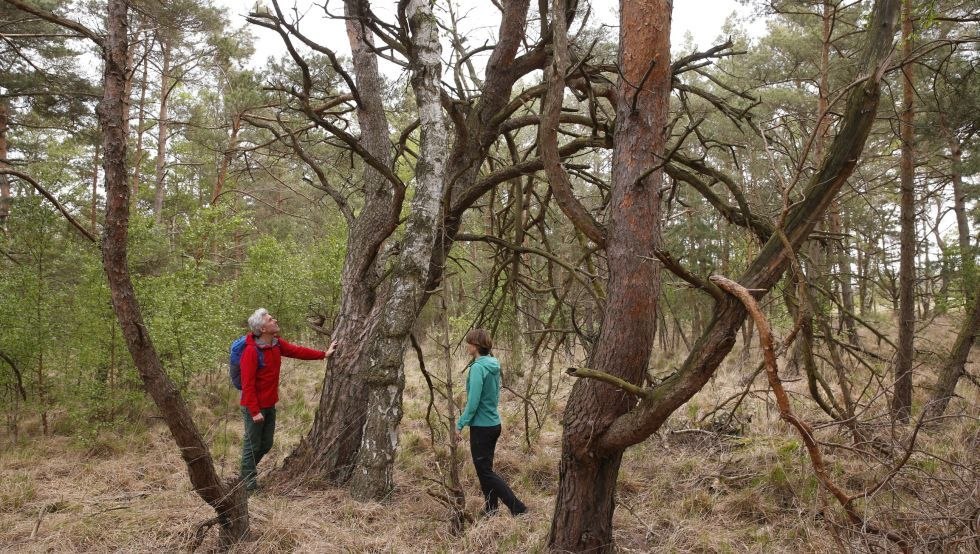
(696, 486)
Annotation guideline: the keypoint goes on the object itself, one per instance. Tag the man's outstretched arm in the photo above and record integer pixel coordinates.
(303, 353)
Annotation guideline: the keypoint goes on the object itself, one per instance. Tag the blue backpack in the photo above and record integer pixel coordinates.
(235, 360)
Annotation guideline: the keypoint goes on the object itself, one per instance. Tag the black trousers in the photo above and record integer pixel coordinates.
(483, 443)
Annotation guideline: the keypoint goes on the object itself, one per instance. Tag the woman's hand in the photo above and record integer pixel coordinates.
(333, 347)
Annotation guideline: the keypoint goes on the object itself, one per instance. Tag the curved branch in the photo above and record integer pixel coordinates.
(20, 381)
(558, 178)
(462, 237)
(761, 228)
(342, 204)
(61, 208)
(60, 21)
(472, 193)
(786, 413)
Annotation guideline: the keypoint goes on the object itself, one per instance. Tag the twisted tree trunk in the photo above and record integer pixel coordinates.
(384, 373)
(366, 360)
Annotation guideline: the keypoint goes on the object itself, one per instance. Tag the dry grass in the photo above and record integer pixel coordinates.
(684, 490)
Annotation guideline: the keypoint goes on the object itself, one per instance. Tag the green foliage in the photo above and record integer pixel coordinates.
(65, 339)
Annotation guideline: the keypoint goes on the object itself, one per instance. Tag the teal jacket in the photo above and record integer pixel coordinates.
(482, 394)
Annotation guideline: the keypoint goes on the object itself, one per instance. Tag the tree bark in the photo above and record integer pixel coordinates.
(902, 400)
(162, 131)
(384, 371)
(228, 499)
(587, 472)
(95, 189)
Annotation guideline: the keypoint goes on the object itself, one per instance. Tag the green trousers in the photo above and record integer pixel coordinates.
(256, 443)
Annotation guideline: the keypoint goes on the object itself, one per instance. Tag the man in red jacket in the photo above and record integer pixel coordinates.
(260, 387)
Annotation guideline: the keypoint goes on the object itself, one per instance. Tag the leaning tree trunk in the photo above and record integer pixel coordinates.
(384, 374)
(587, 475)
(227, 498)
(902, 401)
(955, 365)
(967, 254)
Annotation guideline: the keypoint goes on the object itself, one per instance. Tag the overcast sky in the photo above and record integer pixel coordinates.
(702, 19)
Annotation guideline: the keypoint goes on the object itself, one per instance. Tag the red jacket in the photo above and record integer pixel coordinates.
(260, 387)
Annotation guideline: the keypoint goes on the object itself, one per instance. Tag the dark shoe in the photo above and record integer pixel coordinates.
(520, 511)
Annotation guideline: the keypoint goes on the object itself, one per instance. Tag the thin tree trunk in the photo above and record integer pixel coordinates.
(587, 473)
(141, 121)
(837, 253)
(228, 499)
(863, 276)
(902, 401)
(162, 131)
(843, 261)
(229, 154)
(967, 253)
(42, 396)
(384, 374)
(924, 262)
(4, 179)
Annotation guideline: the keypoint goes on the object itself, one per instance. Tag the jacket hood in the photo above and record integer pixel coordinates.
(490, 364)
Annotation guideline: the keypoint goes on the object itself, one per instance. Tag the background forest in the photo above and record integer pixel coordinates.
(733, 289)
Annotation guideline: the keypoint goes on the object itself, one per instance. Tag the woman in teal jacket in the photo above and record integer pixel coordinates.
(482, 396)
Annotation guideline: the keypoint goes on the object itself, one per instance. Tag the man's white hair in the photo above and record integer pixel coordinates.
(256, 320)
